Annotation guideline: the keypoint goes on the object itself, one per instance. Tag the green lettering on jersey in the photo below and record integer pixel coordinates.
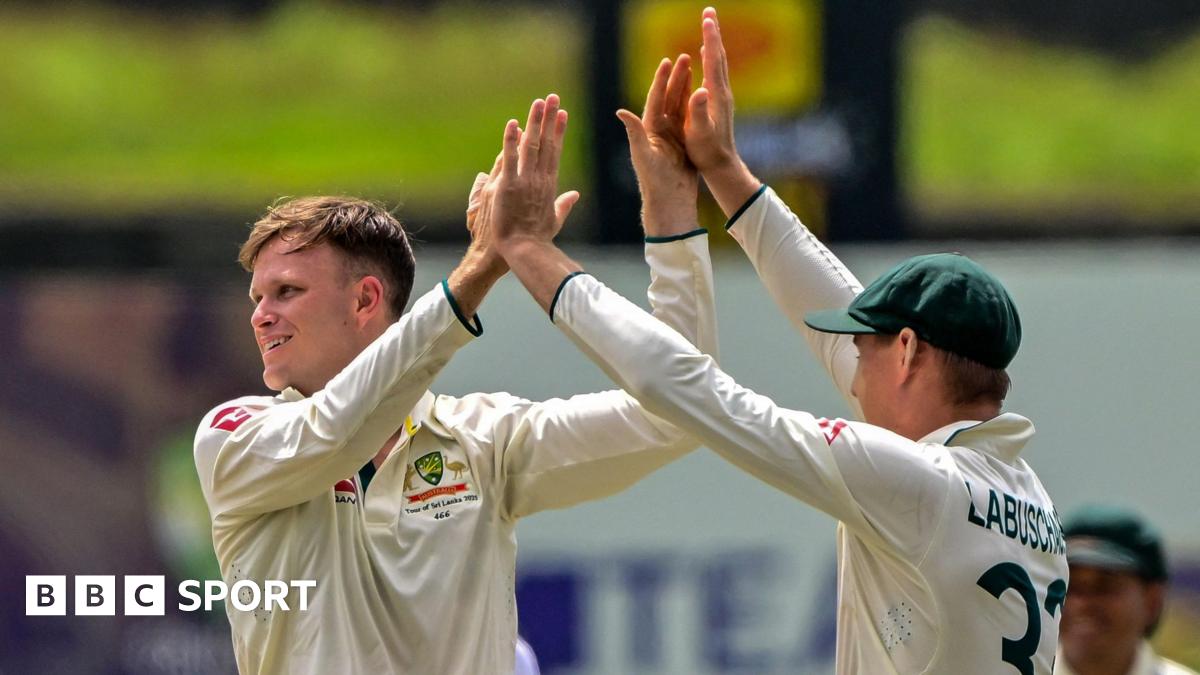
(972, 514)
(994, 511)
(1060, 541)
(1045, 537)
(1010, 516)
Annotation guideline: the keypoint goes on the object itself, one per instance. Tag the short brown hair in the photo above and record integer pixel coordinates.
(969, 381)
(372, 239)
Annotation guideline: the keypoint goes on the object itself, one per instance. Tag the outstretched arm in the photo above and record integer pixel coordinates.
(791, 450)
(259, 455)
(799, 272)
(560, 452)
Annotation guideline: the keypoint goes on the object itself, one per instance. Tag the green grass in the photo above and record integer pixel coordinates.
(995, 123)
(128, 113)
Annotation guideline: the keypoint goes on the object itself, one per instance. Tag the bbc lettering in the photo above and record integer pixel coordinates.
(145, 595)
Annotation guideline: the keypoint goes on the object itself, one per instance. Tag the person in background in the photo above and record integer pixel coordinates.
(1116, 596)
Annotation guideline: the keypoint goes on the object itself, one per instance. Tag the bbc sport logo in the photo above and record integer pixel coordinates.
(146, 595)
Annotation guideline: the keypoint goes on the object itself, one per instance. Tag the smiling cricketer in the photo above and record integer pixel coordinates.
(414, 568)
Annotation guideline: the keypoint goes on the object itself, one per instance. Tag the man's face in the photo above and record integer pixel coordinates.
(1106, 615)
(304, 321)
(874, 378)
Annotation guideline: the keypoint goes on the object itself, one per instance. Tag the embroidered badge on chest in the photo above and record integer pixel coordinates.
(429, 467)
(445, 484)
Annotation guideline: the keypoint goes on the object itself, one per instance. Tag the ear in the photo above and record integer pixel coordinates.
(369, 299)
(909, 345)
(1156, 598)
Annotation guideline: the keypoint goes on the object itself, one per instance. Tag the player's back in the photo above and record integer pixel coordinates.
(981, 588)
(999, 569)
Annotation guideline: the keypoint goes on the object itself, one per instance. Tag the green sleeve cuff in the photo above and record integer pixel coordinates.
(676, 237)
(559, 290)
(738, 214)
(477, 328)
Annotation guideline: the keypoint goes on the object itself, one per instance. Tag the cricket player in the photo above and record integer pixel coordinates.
(1117, 597)
(951, 557)
(415, 572)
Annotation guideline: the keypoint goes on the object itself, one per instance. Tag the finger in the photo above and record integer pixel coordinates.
(533, 136)
(698, 115)
(551, 141)
(476, 196)
(555, 152)
(496, 166)
(658, 89)
(634, 130)
(563, 205)
(716, 65)
(510, 155)
(708, 51)
(678, 86)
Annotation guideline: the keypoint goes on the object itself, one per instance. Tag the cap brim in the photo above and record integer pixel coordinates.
(1091, 552)
(836, 321)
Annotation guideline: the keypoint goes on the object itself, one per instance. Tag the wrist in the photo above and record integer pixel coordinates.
(482, 264)
(517, 246)
(731, 184)
(659, 221)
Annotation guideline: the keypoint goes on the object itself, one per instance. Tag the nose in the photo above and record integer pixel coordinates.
(263, 315)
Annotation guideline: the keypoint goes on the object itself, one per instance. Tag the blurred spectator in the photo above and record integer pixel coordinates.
(1115, 597)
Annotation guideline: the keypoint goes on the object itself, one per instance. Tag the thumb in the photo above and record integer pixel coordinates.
(563, 205)
(698, 111)
(476, 197)
(633, 129)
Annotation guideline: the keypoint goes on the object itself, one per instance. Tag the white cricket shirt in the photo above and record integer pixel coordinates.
(1146, 662)
(417, 575)
(950, 553)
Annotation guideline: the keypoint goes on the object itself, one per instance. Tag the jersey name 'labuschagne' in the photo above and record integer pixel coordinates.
(416, 575)
(951, 556)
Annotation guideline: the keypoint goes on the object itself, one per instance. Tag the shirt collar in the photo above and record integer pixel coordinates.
(1145, 663)
(1003, 436)
(421, 415)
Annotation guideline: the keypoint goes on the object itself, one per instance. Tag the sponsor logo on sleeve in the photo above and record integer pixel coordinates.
(831, 428)
(229, 419)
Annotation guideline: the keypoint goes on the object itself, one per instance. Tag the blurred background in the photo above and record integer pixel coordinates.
(1057, 143)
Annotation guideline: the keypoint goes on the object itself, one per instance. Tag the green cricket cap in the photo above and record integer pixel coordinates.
(1115, 538)
(947, 299)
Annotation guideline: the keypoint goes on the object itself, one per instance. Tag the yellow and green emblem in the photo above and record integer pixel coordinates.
(429, 467)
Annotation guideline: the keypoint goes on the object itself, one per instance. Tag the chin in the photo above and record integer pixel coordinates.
(274, 381)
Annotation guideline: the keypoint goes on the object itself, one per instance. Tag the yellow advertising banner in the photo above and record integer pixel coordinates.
(774, 48)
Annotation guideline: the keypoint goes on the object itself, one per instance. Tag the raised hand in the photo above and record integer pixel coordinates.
(667, 179)
(483, 245)
(710, 125)
(520, 203)
(708, 134)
